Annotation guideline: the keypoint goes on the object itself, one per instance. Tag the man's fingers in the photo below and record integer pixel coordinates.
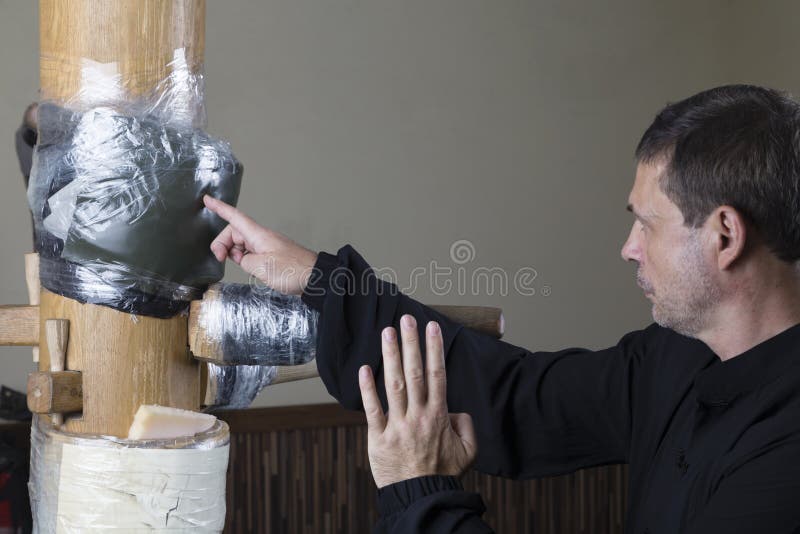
(434, 367)
(393, 373)
(239, 246)
(255, 264)
(412, 362)
(247, 226)
(376, 420)
(229, 243)
(238, 239)
(219, 251)
(222, 243)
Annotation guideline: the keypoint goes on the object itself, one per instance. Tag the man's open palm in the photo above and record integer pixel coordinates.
(417, 436)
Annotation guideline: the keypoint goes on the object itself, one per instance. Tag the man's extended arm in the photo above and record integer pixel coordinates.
(535, 414)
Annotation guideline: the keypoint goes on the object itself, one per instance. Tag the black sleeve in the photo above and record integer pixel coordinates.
(430, 505)
(535, 414)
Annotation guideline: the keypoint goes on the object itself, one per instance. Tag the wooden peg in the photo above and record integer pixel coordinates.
(57, 335)
(291, 373)
(55, 392)
(32, 278)
(34, 287)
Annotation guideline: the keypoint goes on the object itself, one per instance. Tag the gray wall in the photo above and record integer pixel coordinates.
(403, 127)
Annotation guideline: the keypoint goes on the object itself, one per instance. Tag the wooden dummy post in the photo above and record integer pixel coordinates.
(124, 361)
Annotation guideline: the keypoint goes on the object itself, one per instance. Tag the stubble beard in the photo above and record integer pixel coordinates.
(684, 301)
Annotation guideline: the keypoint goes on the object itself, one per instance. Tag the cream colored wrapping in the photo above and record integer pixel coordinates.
(85, 484)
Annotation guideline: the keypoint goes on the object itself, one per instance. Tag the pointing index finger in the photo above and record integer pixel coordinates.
(235, 217)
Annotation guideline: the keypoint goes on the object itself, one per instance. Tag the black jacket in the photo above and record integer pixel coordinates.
(713, 446)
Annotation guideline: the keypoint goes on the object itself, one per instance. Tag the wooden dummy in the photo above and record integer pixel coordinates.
(97, 365)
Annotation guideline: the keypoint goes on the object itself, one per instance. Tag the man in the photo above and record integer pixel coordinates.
(704, 404)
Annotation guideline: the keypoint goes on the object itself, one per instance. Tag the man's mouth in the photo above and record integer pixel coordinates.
(647, 292)
(642, 283)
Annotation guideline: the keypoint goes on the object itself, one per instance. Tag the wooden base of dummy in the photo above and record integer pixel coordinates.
(125, 361)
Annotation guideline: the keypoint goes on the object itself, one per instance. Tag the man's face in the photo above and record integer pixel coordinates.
(675, 269)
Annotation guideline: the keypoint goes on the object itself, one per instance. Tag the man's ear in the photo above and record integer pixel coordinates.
(730, 235)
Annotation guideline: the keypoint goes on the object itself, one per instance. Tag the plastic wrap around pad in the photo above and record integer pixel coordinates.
(83, 483)
(253, 325)
(118, 209)
(235, 387)
(116, 193)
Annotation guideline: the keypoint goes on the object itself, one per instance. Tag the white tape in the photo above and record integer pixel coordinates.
(93, 483)
(180, 490)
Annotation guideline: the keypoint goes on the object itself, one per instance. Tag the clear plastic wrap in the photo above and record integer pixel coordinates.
(116, 193)
(83, 483)
(235, 387)
(251, 325)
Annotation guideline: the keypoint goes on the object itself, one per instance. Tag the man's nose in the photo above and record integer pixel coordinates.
(631, 251)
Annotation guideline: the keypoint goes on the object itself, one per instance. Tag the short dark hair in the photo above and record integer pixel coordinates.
(736, 145)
